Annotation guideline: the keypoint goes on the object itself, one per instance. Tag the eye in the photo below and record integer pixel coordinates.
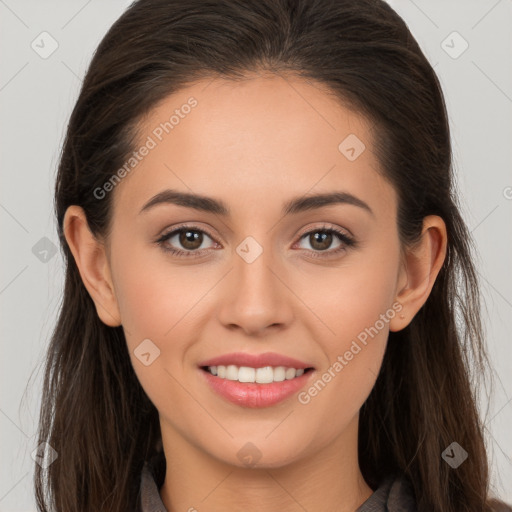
(190, 238)
(321, 239)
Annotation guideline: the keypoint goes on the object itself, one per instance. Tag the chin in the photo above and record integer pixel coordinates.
(262, 453)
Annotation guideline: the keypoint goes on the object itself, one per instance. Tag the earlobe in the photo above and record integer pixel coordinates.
(91, 260)
(421, 266)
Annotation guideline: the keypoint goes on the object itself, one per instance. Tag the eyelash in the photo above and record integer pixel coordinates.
(347, 241)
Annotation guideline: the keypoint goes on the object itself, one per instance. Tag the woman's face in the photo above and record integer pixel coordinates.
(258, 276)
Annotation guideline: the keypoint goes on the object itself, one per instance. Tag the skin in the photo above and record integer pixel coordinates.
(256, 144)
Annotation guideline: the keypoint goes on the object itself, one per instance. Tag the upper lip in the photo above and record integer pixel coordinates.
(255, 360)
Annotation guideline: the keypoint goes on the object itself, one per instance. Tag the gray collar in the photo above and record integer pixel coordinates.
(394, 494)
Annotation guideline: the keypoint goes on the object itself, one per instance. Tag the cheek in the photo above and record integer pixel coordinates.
(350, 298)
(157, 302)
(354, 306)
(155, 294)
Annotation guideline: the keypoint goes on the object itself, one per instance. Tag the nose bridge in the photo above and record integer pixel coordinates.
(253, 269)
(256, 298)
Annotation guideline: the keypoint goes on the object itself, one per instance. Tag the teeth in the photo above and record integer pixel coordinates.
(280, 373)
(264, 375)
(232, 372)
(290, 373)
(245, 374)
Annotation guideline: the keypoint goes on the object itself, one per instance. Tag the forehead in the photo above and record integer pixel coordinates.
(257, 137)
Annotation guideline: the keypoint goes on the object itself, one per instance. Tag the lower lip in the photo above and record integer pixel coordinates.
(250, 394)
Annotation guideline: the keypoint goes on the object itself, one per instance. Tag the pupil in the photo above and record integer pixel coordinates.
(322, 236)
(189, 239)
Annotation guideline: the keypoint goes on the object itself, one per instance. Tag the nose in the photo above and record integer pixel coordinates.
(256, 297)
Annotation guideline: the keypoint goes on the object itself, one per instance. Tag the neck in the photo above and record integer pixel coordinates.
(325, 479)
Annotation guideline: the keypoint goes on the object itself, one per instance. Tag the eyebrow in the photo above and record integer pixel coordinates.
(211, 205)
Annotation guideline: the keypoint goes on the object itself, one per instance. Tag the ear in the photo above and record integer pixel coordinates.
(93, 265)
(420, 267)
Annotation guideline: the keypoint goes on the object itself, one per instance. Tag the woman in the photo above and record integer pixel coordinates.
(270, 302)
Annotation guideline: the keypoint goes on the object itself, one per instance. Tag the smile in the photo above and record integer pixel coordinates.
(264, 375)
(262, 387)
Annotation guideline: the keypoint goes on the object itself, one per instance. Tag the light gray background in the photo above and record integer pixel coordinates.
(36, 98)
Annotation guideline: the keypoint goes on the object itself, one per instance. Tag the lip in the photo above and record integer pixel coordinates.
(253, 395)
(256, 360)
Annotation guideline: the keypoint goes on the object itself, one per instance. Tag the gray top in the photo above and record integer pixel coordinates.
(394, 494)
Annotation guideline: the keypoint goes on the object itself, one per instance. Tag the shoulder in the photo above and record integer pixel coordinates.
(152, 477)
(394, 494)
(499, 506)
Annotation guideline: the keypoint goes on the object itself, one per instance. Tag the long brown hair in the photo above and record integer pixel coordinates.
(94, 412)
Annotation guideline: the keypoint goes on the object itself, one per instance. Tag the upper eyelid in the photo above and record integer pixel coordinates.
(173, 231)
(326, 227)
